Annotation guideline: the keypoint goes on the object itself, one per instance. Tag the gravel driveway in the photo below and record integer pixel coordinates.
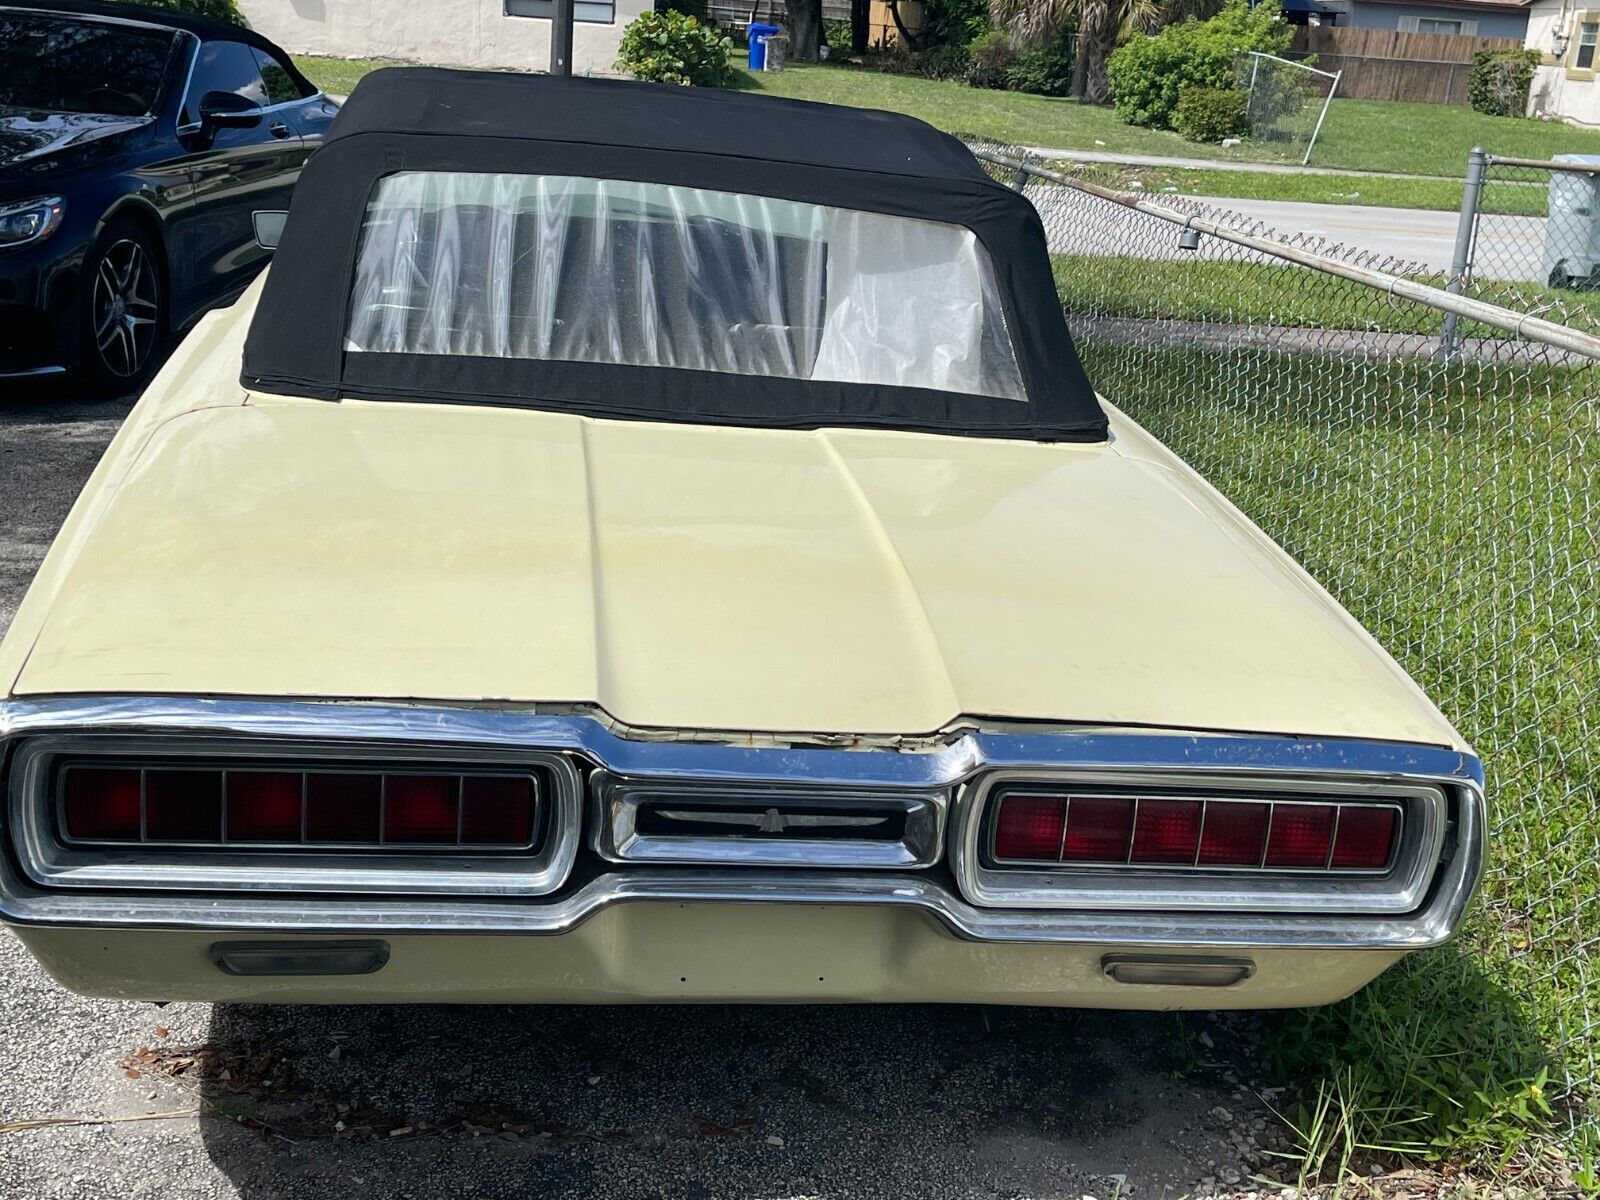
(685, 1102)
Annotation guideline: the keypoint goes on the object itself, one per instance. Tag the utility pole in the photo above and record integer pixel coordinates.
(561, 38)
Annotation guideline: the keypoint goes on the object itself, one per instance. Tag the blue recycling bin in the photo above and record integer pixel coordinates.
(758, 35)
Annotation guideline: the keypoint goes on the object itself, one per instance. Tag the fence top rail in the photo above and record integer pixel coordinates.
(1289, 62)
(1543, 164)
(1535, 329)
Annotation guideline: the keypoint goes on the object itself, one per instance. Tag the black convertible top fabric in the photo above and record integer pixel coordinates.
(205, 28)
(652, 116)
(427, 119)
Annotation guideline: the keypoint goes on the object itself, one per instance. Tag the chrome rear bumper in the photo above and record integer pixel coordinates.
(939, 891)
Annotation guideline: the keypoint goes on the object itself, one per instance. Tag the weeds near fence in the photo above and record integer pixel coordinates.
(1454, 508)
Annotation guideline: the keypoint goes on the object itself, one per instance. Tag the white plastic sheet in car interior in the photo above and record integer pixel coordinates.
(645, 274)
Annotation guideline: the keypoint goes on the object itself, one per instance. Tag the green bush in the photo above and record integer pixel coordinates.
(1500, 79)
(940, 62)
(836, 34)
(217, 10)
(954, 23)
(1149, 74)
(671, 47)
(1045, 70)
(690, 8)
(1211, 114)
(990, 57)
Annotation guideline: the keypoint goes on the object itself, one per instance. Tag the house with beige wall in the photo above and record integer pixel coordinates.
(464, 33)
(1567, 34)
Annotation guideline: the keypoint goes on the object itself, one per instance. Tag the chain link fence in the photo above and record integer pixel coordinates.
(1285, 102)
(1446, 490)
(1530, 235)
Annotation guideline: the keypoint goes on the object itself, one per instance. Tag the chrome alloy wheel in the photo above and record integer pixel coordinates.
(126, 306)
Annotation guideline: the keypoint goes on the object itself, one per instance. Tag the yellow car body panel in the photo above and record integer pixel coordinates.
(678, 576)
(697, 953)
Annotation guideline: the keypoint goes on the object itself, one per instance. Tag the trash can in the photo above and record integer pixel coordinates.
(1571, 255)
(758, 35)
(777, 48)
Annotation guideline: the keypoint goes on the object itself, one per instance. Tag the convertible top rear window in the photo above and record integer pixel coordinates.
(638, 251)
(654, 275)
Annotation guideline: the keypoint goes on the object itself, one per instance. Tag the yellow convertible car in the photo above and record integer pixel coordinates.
(642, 543)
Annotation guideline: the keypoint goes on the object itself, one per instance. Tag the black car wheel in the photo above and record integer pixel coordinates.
(124, 316)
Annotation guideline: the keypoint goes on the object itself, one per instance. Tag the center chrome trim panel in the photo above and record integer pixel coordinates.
(616, 802)
(966, 757)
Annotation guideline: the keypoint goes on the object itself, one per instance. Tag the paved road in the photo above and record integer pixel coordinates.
(1399, 239)
(719, 1101)
(1416, 236)
(1179, 163)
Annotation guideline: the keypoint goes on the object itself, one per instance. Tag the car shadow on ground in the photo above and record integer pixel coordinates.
(711, 1101)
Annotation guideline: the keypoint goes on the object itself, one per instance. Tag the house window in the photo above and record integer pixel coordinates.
(1588, 35)
(598, 12)
(1460, 26)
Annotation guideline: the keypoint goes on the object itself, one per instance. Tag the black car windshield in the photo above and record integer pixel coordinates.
(60, 64)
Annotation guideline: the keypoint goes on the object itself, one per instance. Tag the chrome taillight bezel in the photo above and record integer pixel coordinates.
(50, 859)
(1401, 887)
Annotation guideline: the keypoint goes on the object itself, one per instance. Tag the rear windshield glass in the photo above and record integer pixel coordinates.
(645, 274)
(58, 64)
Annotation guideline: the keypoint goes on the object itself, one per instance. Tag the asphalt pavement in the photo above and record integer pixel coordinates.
(126, 1101)
(1421, 238)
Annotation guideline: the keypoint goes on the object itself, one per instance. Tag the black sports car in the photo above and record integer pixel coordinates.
(135, 146)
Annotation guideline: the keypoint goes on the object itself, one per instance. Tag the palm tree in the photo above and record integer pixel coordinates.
(1101, 24)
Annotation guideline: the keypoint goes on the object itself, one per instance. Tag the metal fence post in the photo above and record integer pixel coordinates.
(1019, 179)
(1466, 226)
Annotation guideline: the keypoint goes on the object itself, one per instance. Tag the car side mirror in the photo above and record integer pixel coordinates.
(269, 227)
(228, 110)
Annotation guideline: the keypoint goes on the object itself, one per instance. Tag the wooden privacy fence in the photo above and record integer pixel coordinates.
(1383, 64)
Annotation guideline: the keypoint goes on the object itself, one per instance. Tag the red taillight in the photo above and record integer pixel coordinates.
(102, 804)
(277, 808)
(1098, 828)
(1166, 831)
(496, 811)
(1028, 828)
(1157, 831)
(1301, 835)
(418, 809)
(263, 806)
(1365, 837)
(183, 806)
(1235, 835)
(344, 807)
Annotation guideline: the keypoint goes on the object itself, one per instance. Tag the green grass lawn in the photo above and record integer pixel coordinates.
(1367, 135)
(1449, 509)
(1418, 139)
(1277, 295)
(1376, 190)
(337, 75)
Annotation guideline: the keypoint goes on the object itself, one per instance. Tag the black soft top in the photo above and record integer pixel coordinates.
(430, 119)
(205, 28)
(616, 112)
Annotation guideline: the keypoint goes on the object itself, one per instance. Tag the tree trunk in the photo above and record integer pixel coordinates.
(859, 26)
(1095, 88)
(1092, 20)
(1080, 64)
(805, 29)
